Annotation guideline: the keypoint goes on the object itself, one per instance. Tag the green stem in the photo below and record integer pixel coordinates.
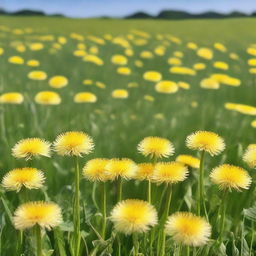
(200, 201)
(149, 191)
(119, 189)
(165, 216)
(223, 214)
(104, 210)
(135, 244)
(187, 250)
(76, 210)
(38, 241)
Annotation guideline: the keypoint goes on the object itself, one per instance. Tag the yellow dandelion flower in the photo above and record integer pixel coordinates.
(209, 83)
(48, 98)
(230, 177)
(152, 76)
(146, 55)
(120, 94)
(182, 71)
(188, 229)
(16, 60)
(199, 66)
(192, 45)
(206, 141)
(220, 47)
(174, 61)
(149, 98)
(170, 172)
(133, 216)
(30, 178)
(33, 63)
(250, 157)
(188, 160)
(205, 53)
(31, 147)
(85, 97)
(73, 144)
(183, 85)
(156, 147)
(45, 214)
(58, 82)
(37, 75)
(124, 71)
(119, 60)
(11, 98)
(95, 170)
(123, 167)
(93, 59)
(167, 87)
(145, 171)
(220, 65)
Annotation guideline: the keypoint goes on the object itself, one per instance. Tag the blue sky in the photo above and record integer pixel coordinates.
(119, 8)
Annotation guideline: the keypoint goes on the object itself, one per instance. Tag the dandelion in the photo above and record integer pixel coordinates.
(37, 75)
(58, 82)
(156, 147)
(95, 170)
(16, 60)
(11, 98)
(188, 229)
(133, 216)
(145, 171)
(47, 98)
(167, 87)
(31, 147)
(120, 94)
(73, 144)
(188, 160)
(38, 215)
(230, 177)
(30, 178)
(169, 173)
(120, 169)
(152, 76)
(206, 142)
(249, 157)
(85, 97)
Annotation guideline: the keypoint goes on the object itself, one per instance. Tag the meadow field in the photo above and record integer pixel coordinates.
(120, 81)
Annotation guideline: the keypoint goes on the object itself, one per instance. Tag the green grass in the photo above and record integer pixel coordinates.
(121, 124)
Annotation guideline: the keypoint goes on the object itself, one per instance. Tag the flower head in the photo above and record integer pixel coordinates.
(73, 144)
(206, 141)
(156, 147)
(170, 172)
(30, 178)
(133, 216)
(229, 176)
(95, 170)
(11, 98)
(250, 157)
(145, 171)
(188, 160)
(188, 229)
(31, 147)
(123, 167)
(48, 98)
(45, 214)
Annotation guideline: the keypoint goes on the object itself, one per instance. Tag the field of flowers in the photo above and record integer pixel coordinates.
(125, 137)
